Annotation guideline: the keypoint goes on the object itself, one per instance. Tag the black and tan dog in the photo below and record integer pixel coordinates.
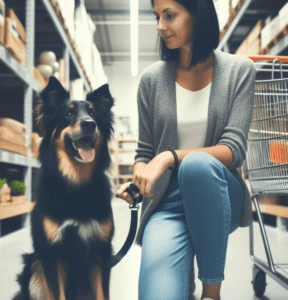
(72, 222)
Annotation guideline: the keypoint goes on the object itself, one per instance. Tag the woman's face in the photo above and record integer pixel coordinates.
(174, 23)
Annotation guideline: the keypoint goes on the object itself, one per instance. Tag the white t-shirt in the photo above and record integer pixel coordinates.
(192, 116)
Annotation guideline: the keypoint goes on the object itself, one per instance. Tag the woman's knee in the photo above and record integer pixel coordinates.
(198, 166)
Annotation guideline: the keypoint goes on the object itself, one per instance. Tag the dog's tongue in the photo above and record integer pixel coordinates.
(87, 155)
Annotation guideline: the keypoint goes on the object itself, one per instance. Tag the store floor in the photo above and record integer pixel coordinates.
(124, 277)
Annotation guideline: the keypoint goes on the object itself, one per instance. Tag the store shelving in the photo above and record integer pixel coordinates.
(47, 15)
(244, 17)
(122, 171)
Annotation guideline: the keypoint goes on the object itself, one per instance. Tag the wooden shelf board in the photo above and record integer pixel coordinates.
(15, 210)
(273, 209)
(126, 150)
(126, 141)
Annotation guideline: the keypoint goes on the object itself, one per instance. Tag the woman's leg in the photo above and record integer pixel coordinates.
(213, 201)
(167, 254)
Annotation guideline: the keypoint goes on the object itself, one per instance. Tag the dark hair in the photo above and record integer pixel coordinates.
(206, 32)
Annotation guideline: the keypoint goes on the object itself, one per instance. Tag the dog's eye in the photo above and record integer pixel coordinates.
(70, 114)
(92, 114)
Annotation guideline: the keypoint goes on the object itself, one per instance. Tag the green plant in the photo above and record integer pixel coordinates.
(2, 182)
(17, 187)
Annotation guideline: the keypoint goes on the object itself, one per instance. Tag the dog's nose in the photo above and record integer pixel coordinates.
(88, 125)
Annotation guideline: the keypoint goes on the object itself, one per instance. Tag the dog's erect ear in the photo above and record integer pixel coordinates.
(101, 98)
(54, 93)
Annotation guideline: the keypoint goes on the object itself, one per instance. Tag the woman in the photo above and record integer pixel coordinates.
(196, 102)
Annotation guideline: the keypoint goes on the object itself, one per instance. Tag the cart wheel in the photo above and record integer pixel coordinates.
(259, 283)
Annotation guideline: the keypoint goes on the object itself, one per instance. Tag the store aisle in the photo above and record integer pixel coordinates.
(124, 277)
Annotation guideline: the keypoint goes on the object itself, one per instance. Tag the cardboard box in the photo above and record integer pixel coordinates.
(253, 40)
(15, 37)
(269, 32)
(39, 77)
(234, 3)
(13, 125)
(283, 16)
(223, 12)
(2, 21)
(10, 135)
(62, 76)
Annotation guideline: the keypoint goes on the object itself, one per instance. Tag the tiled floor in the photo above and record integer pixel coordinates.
(124, 277)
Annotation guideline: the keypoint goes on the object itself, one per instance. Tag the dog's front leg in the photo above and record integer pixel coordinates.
(48, 279)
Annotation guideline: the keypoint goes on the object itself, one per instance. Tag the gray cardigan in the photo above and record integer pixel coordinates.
(229, 118)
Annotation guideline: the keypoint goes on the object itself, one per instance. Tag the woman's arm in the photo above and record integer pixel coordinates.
(221, 152)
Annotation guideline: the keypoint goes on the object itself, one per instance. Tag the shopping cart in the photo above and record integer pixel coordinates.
(267, 158)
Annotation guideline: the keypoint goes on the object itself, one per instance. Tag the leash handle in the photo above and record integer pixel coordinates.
(134, 188)
(133, 227)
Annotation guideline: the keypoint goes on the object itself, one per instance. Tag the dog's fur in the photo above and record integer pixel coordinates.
(72, 222)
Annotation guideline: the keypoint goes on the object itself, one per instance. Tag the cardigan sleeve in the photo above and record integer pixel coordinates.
(236, 131)
(144, 151)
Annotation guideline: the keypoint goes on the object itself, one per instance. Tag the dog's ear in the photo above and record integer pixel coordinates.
(54, 93)
(101, 98)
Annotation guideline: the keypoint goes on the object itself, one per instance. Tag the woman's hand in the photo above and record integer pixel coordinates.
(125, 195)
(146, 177)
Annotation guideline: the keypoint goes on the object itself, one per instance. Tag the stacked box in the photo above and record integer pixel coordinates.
(39, 77)
(252, 44)
(5, 196)
(223, 12)
(62, 77)
(269, 32)
(234, 3)
(13, 136)
(283, 16)
(15, 37)
(2, 21)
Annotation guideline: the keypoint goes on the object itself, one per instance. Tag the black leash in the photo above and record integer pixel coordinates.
(133, 227)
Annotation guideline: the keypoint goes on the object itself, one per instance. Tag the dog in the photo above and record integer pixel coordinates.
(72, 222)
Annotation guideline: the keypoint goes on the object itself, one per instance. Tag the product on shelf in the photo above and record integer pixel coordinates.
(46, 58)
(15, 37)
(45, 70)
(48, 65)
(283, 16)
(39, 77)
(62, 76)
(269, 32)
(2, 21)
(13, 136)
(5, 195)
(252, 44)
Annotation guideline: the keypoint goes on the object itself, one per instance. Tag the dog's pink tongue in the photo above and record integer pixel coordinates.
(87, 155)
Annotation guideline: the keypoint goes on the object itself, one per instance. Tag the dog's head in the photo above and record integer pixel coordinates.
(76, 127)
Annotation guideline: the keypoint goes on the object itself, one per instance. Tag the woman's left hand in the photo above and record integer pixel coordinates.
(152, 171)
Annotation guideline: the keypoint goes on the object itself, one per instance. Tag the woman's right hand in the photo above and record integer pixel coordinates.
(125, 195)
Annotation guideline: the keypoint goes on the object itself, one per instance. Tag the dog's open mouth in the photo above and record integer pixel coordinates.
(84, 148)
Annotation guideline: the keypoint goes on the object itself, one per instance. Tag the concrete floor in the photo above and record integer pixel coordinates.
(124, 277)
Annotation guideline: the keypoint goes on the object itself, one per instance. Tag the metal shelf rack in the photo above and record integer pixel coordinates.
(21, 76)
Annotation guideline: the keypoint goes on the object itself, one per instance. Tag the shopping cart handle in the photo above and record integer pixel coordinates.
(268, 57)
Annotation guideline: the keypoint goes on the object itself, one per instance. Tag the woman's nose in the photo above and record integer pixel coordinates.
(161, 25)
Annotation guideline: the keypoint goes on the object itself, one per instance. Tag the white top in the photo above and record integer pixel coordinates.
(192, 116)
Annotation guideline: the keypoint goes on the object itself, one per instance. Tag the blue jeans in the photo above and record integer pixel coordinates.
(201, 207)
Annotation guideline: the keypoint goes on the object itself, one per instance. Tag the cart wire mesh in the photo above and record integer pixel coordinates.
(267, 153)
